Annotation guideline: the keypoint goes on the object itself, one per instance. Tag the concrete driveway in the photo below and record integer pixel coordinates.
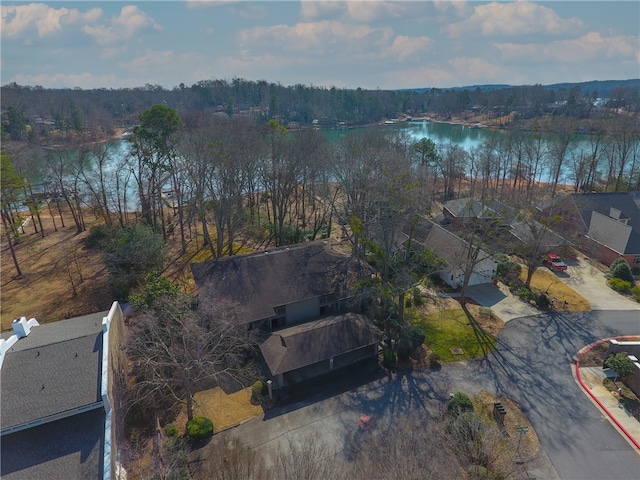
(501, 301)
(591, 283)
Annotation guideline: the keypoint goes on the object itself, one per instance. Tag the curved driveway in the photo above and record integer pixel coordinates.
(531, 364)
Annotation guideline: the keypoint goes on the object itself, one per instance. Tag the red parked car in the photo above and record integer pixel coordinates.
(553, 261)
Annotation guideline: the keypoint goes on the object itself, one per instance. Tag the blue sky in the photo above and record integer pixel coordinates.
(369, 44)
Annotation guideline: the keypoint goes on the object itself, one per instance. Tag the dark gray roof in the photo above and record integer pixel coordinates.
(309, 343)
(469, 208)
(450, 247)
(256, 283)
(68, 449)
(56, 368)
(522, 231)
(603, 202)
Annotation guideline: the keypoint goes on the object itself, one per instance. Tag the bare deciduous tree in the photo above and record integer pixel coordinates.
(230, 459)
(182, 348)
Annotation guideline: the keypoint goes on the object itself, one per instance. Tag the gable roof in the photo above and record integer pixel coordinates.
(55, 369)
(257, 283)
(522, 231)
(449, 246)
(469, 208)
(603, 203)
(624, 206)
(309, 343)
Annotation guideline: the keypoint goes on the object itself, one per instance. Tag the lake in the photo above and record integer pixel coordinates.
(463, 135)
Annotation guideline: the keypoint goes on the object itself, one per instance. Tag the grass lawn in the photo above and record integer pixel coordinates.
(224, 410)
(557, 290)
(451, 329)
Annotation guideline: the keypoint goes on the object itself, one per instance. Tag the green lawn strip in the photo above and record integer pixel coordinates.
(452, 329)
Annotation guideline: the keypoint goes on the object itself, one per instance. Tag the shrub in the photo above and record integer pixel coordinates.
(99, 236)
(417, 297)
(620, 285)
(404, 349)
(485, 312)
(621, 364)
(542, 301)
(526, 294)
(415, 337)
(459, 403)
(171, 430)
(434, 359)
(199, 428)
(635, 271)
(621, 269)
(258, 389)
(154, 286)
(388, 358)
(507, 270)
(636, 293)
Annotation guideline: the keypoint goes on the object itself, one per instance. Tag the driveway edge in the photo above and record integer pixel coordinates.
(594, 397)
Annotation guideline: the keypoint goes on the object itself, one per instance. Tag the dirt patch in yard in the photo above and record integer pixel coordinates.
(53, 267)
(514, 418)
(562, 296)
(486, 319)
(224, 410)
(595, 357)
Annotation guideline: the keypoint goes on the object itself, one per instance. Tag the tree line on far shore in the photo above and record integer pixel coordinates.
(30, 113)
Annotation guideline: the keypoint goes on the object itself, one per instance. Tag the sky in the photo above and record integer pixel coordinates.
(371, 44)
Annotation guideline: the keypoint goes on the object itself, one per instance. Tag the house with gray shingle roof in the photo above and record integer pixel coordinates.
(301, 296)
(607, 224)
(56, 401)
(461, 258)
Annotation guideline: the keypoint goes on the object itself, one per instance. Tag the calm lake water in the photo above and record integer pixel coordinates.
(466, 137)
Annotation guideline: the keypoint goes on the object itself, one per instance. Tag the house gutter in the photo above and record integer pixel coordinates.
(104, 391)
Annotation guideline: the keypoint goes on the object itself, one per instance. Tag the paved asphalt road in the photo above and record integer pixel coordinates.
(531, 365)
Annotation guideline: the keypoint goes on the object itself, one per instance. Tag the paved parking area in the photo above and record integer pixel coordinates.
(501, 301)
(591, 283)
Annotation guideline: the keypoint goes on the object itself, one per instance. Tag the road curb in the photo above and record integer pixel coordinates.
(576, 359)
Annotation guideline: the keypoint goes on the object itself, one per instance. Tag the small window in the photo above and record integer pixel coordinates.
(636, 261)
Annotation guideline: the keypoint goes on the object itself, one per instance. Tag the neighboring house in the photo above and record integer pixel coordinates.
(462, 212)
(56, 403)
(302, 295)
(458, 255)
(545, 239)
(608, 224)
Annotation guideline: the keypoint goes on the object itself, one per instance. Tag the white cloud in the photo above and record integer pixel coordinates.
(478, 70)
(420, 76)
(361, 11)
(194, 4)
(589, 47)
(128, 23)
(316, 38)
(337, 39)
(404, 47)
(22, 20)
(515, 18)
